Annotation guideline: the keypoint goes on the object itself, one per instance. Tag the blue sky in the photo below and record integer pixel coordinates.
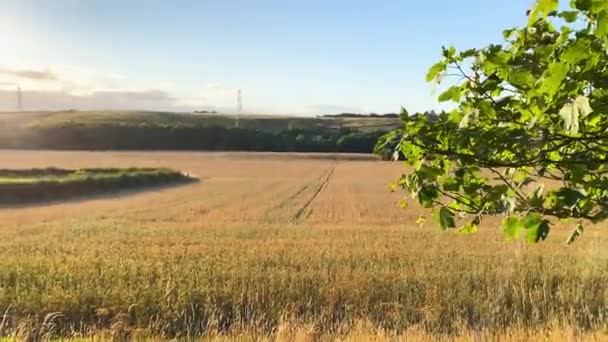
(302, 57)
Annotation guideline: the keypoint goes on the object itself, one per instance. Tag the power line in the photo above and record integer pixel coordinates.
(239, 107)
(19, 100)
(19, 106)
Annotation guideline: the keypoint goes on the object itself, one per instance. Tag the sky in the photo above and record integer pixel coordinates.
(301, 57)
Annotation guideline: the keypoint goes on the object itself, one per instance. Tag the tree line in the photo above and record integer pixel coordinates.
(178, 137)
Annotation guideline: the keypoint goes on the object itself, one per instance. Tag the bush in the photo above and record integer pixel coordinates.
(19, 186)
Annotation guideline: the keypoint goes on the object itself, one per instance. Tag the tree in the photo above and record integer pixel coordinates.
(528, 138)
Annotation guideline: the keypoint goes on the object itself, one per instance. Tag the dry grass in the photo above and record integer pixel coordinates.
(282, 248)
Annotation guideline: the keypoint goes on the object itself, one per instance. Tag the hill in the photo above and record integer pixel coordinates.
(120, 130)
(261, 122)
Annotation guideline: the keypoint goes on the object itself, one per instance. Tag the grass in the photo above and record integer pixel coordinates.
(317, 251)
(33, 185)
(360, 331)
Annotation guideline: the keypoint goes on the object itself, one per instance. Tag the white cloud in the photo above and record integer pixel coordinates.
(42, 75)
(66, 87)
(114, 99)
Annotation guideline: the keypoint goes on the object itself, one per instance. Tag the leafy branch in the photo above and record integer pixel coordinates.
(531, 109)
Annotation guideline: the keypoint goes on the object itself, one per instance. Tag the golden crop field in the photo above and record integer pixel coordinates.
(286, 247)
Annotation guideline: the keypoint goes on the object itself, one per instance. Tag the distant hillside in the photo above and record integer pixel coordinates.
(95, 130)
(261, 122)
(356, 115)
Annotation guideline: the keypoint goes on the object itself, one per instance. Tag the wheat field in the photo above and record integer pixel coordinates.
(281, 247)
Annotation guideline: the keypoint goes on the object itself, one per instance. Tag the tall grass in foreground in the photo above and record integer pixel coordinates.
(168, 279)
(361, 331)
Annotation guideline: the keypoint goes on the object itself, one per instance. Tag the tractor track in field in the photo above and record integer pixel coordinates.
(286, 201)
(299, 192)
(323, 185)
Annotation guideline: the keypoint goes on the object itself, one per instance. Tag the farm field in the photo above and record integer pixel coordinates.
(285, 246)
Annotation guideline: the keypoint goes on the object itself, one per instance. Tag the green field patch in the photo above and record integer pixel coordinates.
(40, 185)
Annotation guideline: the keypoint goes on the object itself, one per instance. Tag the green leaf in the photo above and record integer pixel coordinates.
(427, 196)
(508, 33)
(583, 5)
(512, 228)
(569, 16)
(568, 197)
(576, 52)
(495, 60)
(553, 78)
(576, 233)
(584, 206)
(435, 70)
(602, 25)
(486, 109)
(468, 229)
(468, 53)
(471, 227)
(496, 192)
(595, 120)
(536, 198)
(428, 173)
(542, 7)
(453, 93)
(446, 218)
(521, 78)
(532, 220)
(454, 116)
(537, 230)
(598, 6)
(449, 52)
(451, 184)
(403, 113)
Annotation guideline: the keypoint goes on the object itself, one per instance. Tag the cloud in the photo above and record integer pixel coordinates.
(70, 87)
(73, 87)
(152, 99)
(133, 95)
(145, 99)
(42, 75)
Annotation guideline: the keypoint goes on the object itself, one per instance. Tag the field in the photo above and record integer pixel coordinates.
(282, 246)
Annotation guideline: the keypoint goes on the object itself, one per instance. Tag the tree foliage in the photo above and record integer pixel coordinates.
(125, 136)
(528, 138)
